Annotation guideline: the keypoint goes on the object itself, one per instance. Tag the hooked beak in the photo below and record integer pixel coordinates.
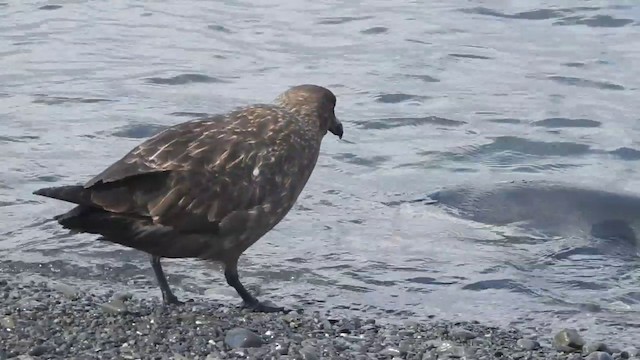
(336, 128)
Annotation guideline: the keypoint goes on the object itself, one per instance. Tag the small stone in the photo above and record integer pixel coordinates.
(341, 345)
(462, 334)
(124, 297)
(282, 347)
(50, 7)
(242, 338)
(405, 346)
(450, 349)
(114, 307)
(7, 322)
(633, 351)
(309, 353)
(528, 344)
(430, 355)
(568, 340)
(390, 351)
(38, 350)
(29, 304)
(596, 346)
(68, 291)
(599, 355)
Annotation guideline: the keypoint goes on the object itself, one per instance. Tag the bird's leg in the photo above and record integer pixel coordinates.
(249, 301)
(167, 295)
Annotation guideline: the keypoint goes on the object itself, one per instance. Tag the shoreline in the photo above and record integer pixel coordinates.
(47, 320)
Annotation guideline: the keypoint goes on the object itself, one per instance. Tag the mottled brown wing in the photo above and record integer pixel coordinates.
(202, 175)
(160, 152)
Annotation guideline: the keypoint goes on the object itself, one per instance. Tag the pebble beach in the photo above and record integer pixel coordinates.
(40, 320)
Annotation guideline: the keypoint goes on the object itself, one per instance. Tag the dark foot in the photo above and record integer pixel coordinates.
(248, 301)
(171, 300)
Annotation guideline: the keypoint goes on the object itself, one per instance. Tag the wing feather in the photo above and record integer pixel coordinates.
(225, 170)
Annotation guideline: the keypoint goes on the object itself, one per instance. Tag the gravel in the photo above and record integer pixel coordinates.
(42, 321)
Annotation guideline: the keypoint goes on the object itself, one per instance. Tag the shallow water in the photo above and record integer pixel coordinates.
(430, 96)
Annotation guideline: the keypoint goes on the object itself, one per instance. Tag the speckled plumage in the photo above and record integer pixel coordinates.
(207, 188)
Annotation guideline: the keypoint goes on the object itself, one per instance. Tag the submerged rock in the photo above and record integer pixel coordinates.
(39, 350)
(242, 338)
(7, 322)
(599, 355)
(462, 334)
(390, 351)
(309, 353)
(68, 291)
(568, 340)
(528, 344)
(450, 349)
(115, 306)
(596, 346)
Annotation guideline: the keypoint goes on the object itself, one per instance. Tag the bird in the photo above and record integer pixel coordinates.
(208, 188)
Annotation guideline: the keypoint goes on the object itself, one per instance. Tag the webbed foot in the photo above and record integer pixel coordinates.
(248, 300)
(171, 300)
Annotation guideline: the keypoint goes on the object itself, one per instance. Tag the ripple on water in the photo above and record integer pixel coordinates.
(537, 14)
(341, 19)
(184, 79)
(425, 78)
(499, 284)
(529, 147)
(542, 168)
(594, 21)
(23, 138)
(138, 131)
(57, 100)
(190, 114)
(219, 28)
(375, 30)
(625, 153)
(50, 7)
(425, 280)
(574, 81)
(390, 123)
(506, 121)
(372, 161)
(398, 98)
(470, 56)
(567, 123)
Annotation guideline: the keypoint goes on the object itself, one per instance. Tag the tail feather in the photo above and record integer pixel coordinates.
(76, 194)
(95, 221)
(134, 232)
